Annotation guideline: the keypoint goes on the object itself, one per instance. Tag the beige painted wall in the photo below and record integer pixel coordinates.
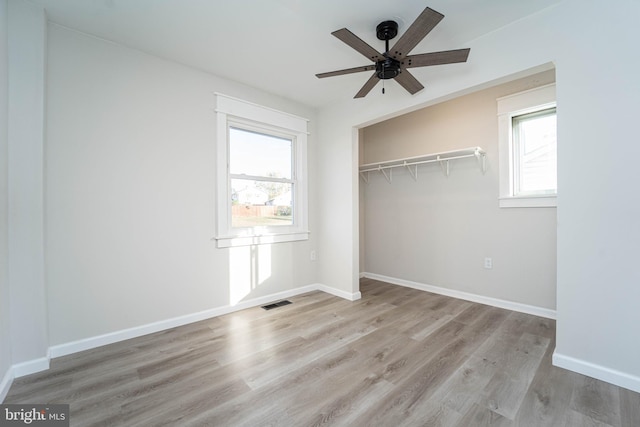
(438, 230)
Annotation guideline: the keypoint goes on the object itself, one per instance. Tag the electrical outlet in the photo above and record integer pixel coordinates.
(313, 256)
(488, 263)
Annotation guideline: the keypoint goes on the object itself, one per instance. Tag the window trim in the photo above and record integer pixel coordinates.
(230, 111)
(529, 101)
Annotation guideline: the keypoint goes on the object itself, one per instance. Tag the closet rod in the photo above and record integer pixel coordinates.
(420, 162)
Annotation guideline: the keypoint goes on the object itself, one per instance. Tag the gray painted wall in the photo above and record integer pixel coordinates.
(5, 331)
(27, 52)
(130, 207)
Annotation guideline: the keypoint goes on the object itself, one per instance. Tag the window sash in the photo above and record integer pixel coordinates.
(245, 214)
(259, 220)
(270, 136)
(519, 154)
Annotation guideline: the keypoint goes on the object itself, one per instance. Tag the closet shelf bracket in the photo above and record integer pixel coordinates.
(482, 159)
(444, 164)
(413, 172)
(411, 163)
(387, 176)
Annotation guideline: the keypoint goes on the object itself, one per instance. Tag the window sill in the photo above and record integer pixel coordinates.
(234, 241)
(529, 202)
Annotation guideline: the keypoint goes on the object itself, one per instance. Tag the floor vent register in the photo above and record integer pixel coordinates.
(276, 304)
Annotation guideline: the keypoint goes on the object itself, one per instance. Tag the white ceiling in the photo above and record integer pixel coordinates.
(279, 45)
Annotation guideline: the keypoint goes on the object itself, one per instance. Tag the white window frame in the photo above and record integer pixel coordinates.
(540, 98)
(232, 112)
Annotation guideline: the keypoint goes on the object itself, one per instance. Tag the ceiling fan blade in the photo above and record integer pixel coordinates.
(410, 83)
(422, 26)
(373, 80)
(346, 71)
(358, 44)
(436, 58)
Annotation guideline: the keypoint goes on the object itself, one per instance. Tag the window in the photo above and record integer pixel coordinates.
(528, 148)
(534, 153)
(262, 182)
(261, 163)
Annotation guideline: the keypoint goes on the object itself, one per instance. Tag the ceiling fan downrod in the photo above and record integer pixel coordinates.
(388, 68)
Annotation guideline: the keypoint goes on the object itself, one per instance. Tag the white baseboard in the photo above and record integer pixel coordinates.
(30, 367)
(112, 337)
(599, 372)
(42, 364)
(5, 384)
(125, 334)
(342, 294)
(20, 370)
(495, 302)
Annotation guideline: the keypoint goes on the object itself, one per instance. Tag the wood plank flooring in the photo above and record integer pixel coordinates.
(397, 357)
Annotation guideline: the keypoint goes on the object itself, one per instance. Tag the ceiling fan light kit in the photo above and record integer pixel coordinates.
(394, 63)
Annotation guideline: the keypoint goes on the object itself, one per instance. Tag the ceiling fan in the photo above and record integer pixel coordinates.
(394, 63)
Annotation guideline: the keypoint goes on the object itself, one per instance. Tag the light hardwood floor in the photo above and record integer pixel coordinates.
(397, 357)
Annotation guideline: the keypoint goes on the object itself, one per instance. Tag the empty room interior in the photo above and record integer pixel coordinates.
(287, 212)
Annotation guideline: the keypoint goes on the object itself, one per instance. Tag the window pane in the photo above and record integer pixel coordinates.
(258, 154)
(536, 153)
(260, 203)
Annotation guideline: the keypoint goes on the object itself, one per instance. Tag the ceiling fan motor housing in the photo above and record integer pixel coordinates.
(389, 68)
